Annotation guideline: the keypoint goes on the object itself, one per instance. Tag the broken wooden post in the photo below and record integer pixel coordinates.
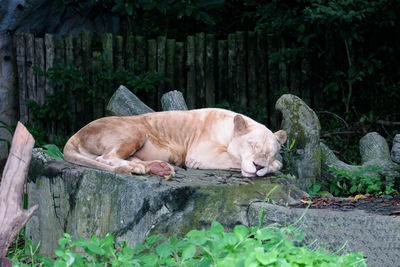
(12, 215)
(173, 100)
(125, 103)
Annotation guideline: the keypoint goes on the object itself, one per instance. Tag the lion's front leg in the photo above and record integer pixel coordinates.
(136, 166)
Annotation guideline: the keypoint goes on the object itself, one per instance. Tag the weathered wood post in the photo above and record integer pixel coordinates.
(12, 215)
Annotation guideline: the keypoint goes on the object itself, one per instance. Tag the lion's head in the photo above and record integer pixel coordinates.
(256, 147)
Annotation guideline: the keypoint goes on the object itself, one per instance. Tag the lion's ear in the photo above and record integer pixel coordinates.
(281, 136)
(240, 125)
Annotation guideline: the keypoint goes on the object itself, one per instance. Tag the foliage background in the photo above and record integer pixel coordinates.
(346, 51)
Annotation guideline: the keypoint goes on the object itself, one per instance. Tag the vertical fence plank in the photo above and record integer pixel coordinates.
(98, 106)
(141, 53)
(152, 67)
(141, 61)
(40, 63)
(231, 67)
(191, 73)
(130, 51)
(60, 50)
(119, 52)
(263, 87)
(200, 70)
(107, 45)
(179, 66)
(77, 52)
(170, 68)
(295, 77)
(283, 70)
(210, 70)
(21, 64)
(222, 93)
(252, 72)
(109, 87)
(241, 69)
(273, 80)
(69, 56)
(30, 76)
(306, 85)
(60, 58)
(50, 57)
(69, 60)
(86, 50)
(86, 67)
(49, 89)
(161, 65)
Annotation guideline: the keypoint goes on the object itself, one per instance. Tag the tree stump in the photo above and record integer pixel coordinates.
(12, 215)
(173, 100)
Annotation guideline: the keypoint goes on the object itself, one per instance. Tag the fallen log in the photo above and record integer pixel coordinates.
(374, 151)
(12, 215)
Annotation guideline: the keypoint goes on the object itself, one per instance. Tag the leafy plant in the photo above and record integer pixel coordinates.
(70, 82)
(313, 189)
(22, 250)
(289, 154)
(245, 246)
(366, 180)
(53, 151)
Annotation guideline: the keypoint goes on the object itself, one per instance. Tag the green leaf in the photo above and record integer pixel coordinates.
(216, 228)
(81, 242)
(95, 248)
(265, 258)
(353, 189)
(108, 241)
(164, 250)
(189, 252)
(240, 231)
(62, 242)
(53, 151)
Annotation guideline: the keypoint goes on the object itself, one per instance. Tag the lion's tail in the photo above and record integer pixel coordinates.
(73, 155)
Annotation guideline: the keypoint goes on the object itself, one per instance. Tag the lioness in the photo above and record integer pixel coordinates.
(208, 138)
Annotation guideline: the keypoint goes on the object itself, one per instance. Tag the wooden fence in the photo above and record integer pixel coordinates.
(207, 71)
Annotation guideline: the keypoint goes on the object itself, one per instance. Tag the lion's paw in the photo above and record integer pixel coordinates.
(162, 169)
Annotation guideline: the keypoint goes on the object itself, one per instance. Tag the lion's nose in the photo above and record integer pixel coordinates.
(258, 167)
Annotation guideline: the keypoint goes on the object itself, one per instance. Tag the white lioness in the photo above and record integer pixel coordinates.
(203, 139)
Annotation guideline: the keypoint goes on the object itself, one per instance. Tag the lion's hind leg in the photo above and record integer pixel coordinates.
(137, 166)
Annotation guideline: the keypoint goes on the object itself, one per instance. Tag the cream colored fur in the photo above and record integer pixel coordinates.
(202, 139)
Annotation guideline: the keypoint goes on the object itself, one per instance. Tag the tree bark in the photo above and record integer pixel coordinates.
(12, 215)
